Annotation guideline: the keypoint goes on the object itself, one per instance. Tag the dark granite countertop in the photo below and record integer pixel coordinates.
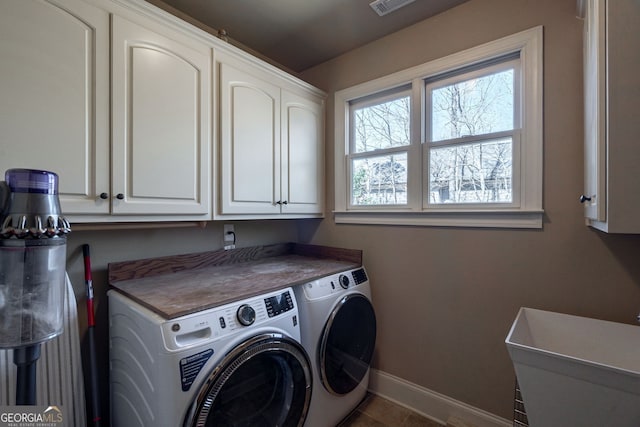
(184, 284)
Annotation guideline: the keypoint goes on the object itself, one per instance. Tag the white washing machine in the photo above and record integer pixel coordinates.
(240, 364)
(338, 331)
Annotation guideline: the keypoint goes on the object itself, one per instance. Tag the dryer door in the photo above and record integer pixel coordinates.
(347, 343)
(264, 382)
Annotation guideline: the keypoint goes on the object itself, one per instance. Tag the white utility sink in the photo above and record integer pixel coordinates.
(576, 371)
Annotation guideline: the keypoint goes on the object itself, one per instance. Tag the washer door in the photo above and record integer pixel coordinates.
(346, 345)
(265, 381)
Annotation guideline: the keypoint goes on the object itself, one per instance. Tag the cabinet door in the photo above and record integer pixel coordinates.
(595, 115)
(160, 112)
(249, 143)
(302, 154)
(54, 68)
(623, 125)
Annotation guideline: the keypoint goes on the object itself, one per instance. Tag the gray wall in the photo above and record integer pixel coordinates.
(446, 297)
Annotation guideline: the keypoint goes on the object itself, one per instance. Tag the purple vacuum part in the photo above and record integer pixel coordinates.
(32, 181)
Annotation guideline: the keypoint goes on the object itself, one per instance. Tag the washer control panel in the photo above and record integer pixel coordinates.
(332, 284)
(206, 325)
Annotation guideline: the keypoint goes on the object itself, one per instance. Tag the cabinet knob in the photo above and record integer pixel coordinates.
(584, 198)
(104, 196)
(119, 196)
(285, 202)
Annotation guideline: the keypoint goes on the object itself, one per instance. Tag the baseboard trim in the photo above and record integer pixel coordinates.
(431, 404)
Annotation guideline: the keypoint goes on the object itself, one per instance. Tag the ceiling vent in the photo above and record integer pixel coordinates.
(383, 7)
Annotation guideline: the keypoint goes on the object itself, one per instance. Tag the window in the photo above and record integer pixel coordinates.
(457, 141)
(472, 126)
(379, 138)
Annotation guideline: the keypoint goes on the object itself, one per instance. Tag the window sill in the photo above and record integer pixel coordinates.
(476, 219)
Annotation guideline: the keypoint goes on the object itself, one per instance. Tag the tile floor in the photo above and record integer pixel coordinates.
(375, 411)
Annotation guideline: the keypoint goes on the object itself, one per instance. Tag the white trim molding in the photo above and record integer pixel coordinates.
(430, 404)
(478, 219)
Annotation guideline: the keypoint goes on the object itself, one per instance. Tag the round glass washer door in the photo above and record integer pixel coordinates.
(264, 382)
(347, 343)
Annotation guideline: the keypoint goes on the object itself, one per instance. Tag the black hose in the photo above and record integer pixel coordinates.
(25, 359)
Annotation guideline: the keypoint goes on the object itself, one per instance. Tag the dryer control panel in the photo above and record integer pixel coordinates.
(330, 285)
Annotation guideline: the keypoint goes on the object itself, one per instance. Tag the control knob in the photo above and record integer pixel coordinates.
(344, 281)
(246, 315)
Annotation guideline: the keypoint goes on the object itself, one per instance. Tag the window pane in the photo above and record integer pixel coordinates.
(380, 180)
(472, 173)
(382, 125)
(473, 107)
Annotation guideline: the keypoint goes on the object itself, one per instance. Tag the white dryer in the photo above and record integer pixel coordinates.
(240, 364)
(338, 331)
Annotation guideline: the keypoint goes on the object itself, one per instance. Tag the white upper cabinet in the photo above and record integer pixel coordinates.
(302, 171)
(160, 113)
(249, 143)
(118, 98)
(271, 148)
(54, 108)
(594, 112)
(612, 100)
(130, 138)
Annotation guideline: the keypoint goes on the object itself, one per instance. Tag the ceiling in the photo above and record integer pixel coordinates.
(299, 34)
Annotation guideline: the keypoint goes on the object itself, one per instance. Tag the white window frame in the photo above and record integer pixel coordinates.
(514, 133)
(526, 212)
(411, 149)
